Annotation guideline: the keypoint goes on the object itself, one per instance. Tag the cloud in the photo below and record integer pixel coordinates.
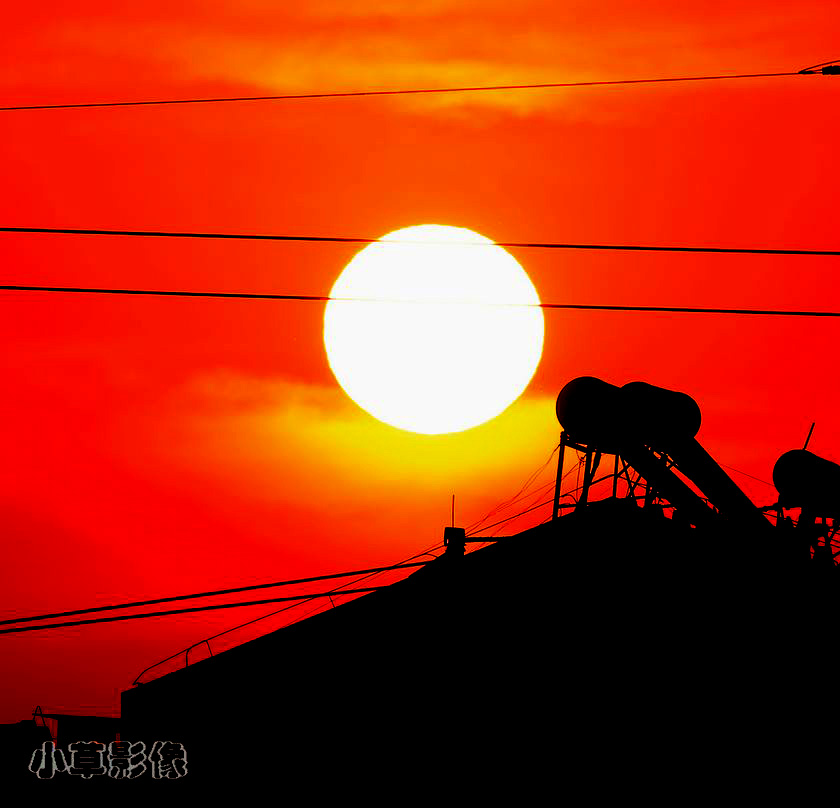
(277, 440)
(261, 47)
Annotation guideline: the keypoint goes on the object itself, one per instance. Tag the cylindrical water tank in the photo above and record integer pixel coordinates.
(805, 480)
(659, 417)
(588, 409)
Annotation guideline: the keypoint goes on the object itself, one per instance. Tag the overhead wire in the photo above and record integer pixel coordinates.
(757, 479)
(522, 513)
(328, 298)
(163, 613)
(518, 495)
(517, 515)
(417, 91)
(575, 468)
(212, 607)
(213, 593)
(530, 497)
(334, 592)
(316, 239)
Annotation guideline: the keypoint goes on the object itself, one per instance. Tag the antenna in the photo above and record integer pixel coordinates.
(810, 432)
(453, 510)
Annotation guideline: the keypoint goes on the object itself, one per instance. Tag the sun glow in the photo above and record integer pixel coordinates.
(428, 340)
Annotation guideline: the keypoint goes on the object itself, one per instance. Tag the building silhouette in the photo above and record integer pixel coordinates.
(666, 638)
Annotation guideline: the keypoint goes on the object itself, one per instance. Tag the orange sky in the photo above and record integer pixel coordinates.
(156, 447)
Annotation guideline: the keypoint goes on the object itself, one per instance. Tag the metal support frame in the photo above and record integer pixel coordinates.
(592, 457)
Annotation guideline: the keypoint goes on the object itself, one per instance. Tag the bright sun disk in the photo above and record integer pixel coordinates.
(429, 342)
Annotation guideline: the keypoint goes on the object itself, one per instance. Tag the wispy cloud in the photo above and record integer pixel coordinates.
(250, 433)
(261, 47)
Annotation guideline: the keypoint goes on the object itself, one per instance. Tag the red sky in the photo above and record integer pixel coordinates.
(156, 447)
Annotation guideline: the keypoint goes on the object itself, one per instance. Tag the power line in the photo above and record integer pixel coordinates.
(752, 477)
(327, 298)
(510, 518)
(333, 592)
(173, 293)
(192, 609)
(575, 467)
(542, 245)
(503, 506)
(413, 91)
(692, 310)
(216, 592)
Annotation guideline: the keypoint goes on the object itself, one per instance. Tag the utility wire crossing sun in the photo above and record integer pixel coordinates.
(423, 335)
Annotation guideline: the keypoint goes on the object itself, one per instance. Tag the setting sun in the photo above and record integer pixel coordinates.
(219, 372)
(436, 329)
